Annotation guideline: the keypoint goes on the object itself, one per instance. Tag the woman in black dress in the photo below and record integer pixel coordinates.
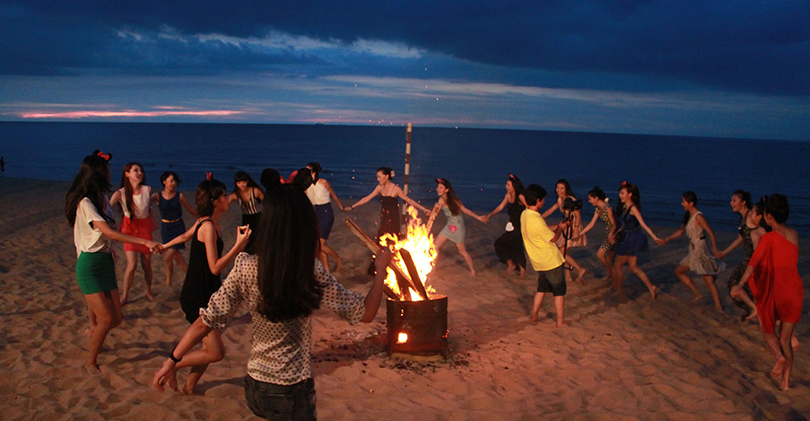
(205, 263)
(509, 246)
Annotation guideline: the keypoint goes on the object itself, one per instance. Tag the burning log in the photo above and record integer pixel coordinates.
(435, 211)
(408, 260)
(409, 283)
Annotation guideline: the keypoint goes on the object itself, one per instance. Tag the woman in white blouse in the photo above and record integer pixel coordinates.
(281, 285)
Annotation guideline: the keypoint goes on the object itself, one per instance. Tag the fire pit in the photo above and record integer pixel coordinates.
(417, 316)
(418, 327)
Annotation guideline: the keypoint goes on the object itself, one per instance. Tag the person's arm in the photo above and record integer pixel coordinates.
(471, 213)
(756, 235)
(705, 225)
(638, 216)
(728, 249)
(374, 296)
(558, 230)
(231, 198)
(115, 198)
(209, 237)
(258, 194)
(551, 210)
(186, 205)
(182, 238)
(331, 192)
(410, 201)
(590, 224)
(154, 198)
(364, 200)
(499, 207)
(675, 234)
(112, 234)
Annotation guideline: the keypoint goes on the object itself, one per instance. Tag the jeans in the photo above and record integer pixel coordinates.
(278, 402)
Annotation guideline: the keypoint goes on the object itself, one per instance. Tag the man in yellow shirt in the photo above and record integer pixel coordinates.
(540, 243)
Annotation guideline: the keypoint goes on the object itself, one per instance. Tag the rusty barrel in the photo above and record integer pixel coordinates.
(418, 327)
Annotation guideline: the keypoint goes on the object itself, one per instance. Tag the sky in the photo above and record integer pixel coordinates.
(699, 68)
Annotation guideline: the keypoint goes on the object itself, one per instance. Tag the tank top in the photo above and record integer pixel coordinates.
(318, 194)
(249, 207)
(170, 210)
(139, 201)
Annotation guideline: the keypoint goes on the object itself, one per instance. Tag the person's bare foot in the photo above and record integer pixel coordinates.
(604, 279)
(696, 300)
(92, 369)
(751, 316)
(563, 324)
(654, 292)
(172, 381)
(580, 276)
(719, 309)
(777, 369)
(123, 299)
(784, 385)
(794, 342)
(339, 265)
(150, 296)
(473, 274)
(533, 318)
(522, 272)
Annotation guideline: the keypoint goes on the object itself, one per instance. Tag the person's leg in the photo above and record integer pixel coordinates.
(212, 350)
(467, 258)
(601, 254)
(618, 273)
(744, 297)
(146, 264)
(680, 272)
(538, 302)
(129, 274)
(438, 241)
(580, 270)
(559, 306)
(785, 338)
(709, 280)
(168, 265)
(633, 266)
(106, 311)
(329, 251)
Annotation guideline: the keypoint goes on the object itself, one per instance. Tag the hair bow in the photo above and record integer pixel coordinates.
(106, 156)
(624, 183)
(208, 176)
(512, 176)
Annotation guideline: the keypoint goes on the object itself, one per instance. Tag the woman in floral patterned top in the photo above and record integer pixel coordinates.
(281, 285)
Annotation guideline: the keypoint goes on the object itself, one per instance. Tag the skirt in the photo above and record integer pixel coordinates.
(326, 218)
(141, 228)
(171, 230)
(96, 272)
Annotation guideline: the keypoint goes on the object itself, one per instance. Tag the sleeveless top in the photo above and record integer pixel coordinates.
(249, 207)
(200, 282)
(603, 215)
(389, 215)
(140, 203)
(318, 194)
(747, 242)
(170, 210)
(514, 210)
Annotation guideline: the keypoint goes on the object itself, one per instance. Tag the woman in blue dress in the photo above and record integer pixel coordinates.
(633, 241)
(454, 230)
(169, 203)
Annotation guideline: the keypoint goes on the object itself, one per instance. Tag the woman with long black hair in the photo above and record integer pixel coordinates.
(281, 286)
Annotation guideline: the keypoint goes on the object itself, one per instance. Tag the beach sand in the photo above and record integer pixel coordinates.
(625, 357)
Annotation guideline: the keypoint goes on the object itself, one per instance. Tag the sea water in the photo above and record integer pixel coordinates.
(476, 161)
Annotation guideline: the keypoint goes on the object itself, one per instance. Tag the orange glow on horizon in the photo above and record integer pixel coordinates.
(85, 114)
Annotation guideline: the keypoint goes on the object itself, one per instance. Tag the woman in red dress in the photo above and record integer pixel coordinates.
(776, 285)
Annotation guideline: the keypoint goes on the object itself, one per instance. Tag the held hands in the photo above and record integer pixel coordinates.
(719, 254)
(154, 247)
(483, 219)
(659, 241)
(346, 209)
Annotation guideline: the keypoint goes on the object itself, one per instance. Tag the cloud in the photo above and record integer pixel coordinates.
(745, 46)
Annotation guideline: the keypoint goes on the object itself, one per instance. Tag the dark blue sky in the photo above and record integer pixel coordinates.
(712, 68)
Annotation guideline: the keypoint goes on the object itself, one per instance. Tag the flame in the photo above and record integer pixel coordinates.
(402, 338)
(419, 242)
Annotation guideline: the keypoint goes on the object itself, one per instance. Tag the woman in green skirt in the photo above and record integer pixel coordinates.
(89, 214)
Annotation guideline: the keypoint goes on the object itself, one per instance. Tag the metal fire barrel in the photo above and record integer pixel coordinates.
(418, 327)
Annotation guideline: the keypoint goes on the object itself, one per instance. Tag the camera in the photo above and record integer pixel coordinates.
(572, 205)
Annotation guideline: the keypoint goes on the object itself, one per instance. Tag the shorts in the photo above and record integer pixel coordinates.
(96, 272)
(279, 402)
(552, 281)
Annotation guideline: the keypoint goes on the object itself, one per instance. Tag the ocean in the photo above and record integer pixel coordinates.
(476, 161)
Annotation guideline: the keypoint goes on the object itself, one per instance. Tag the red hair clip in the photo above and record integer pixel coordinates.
(208, 176)
(624, 183)
(106, 156)
(512, 176)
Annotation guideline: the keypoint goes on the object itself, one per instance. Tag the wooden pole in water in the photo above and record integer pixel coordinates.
(407, 179)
